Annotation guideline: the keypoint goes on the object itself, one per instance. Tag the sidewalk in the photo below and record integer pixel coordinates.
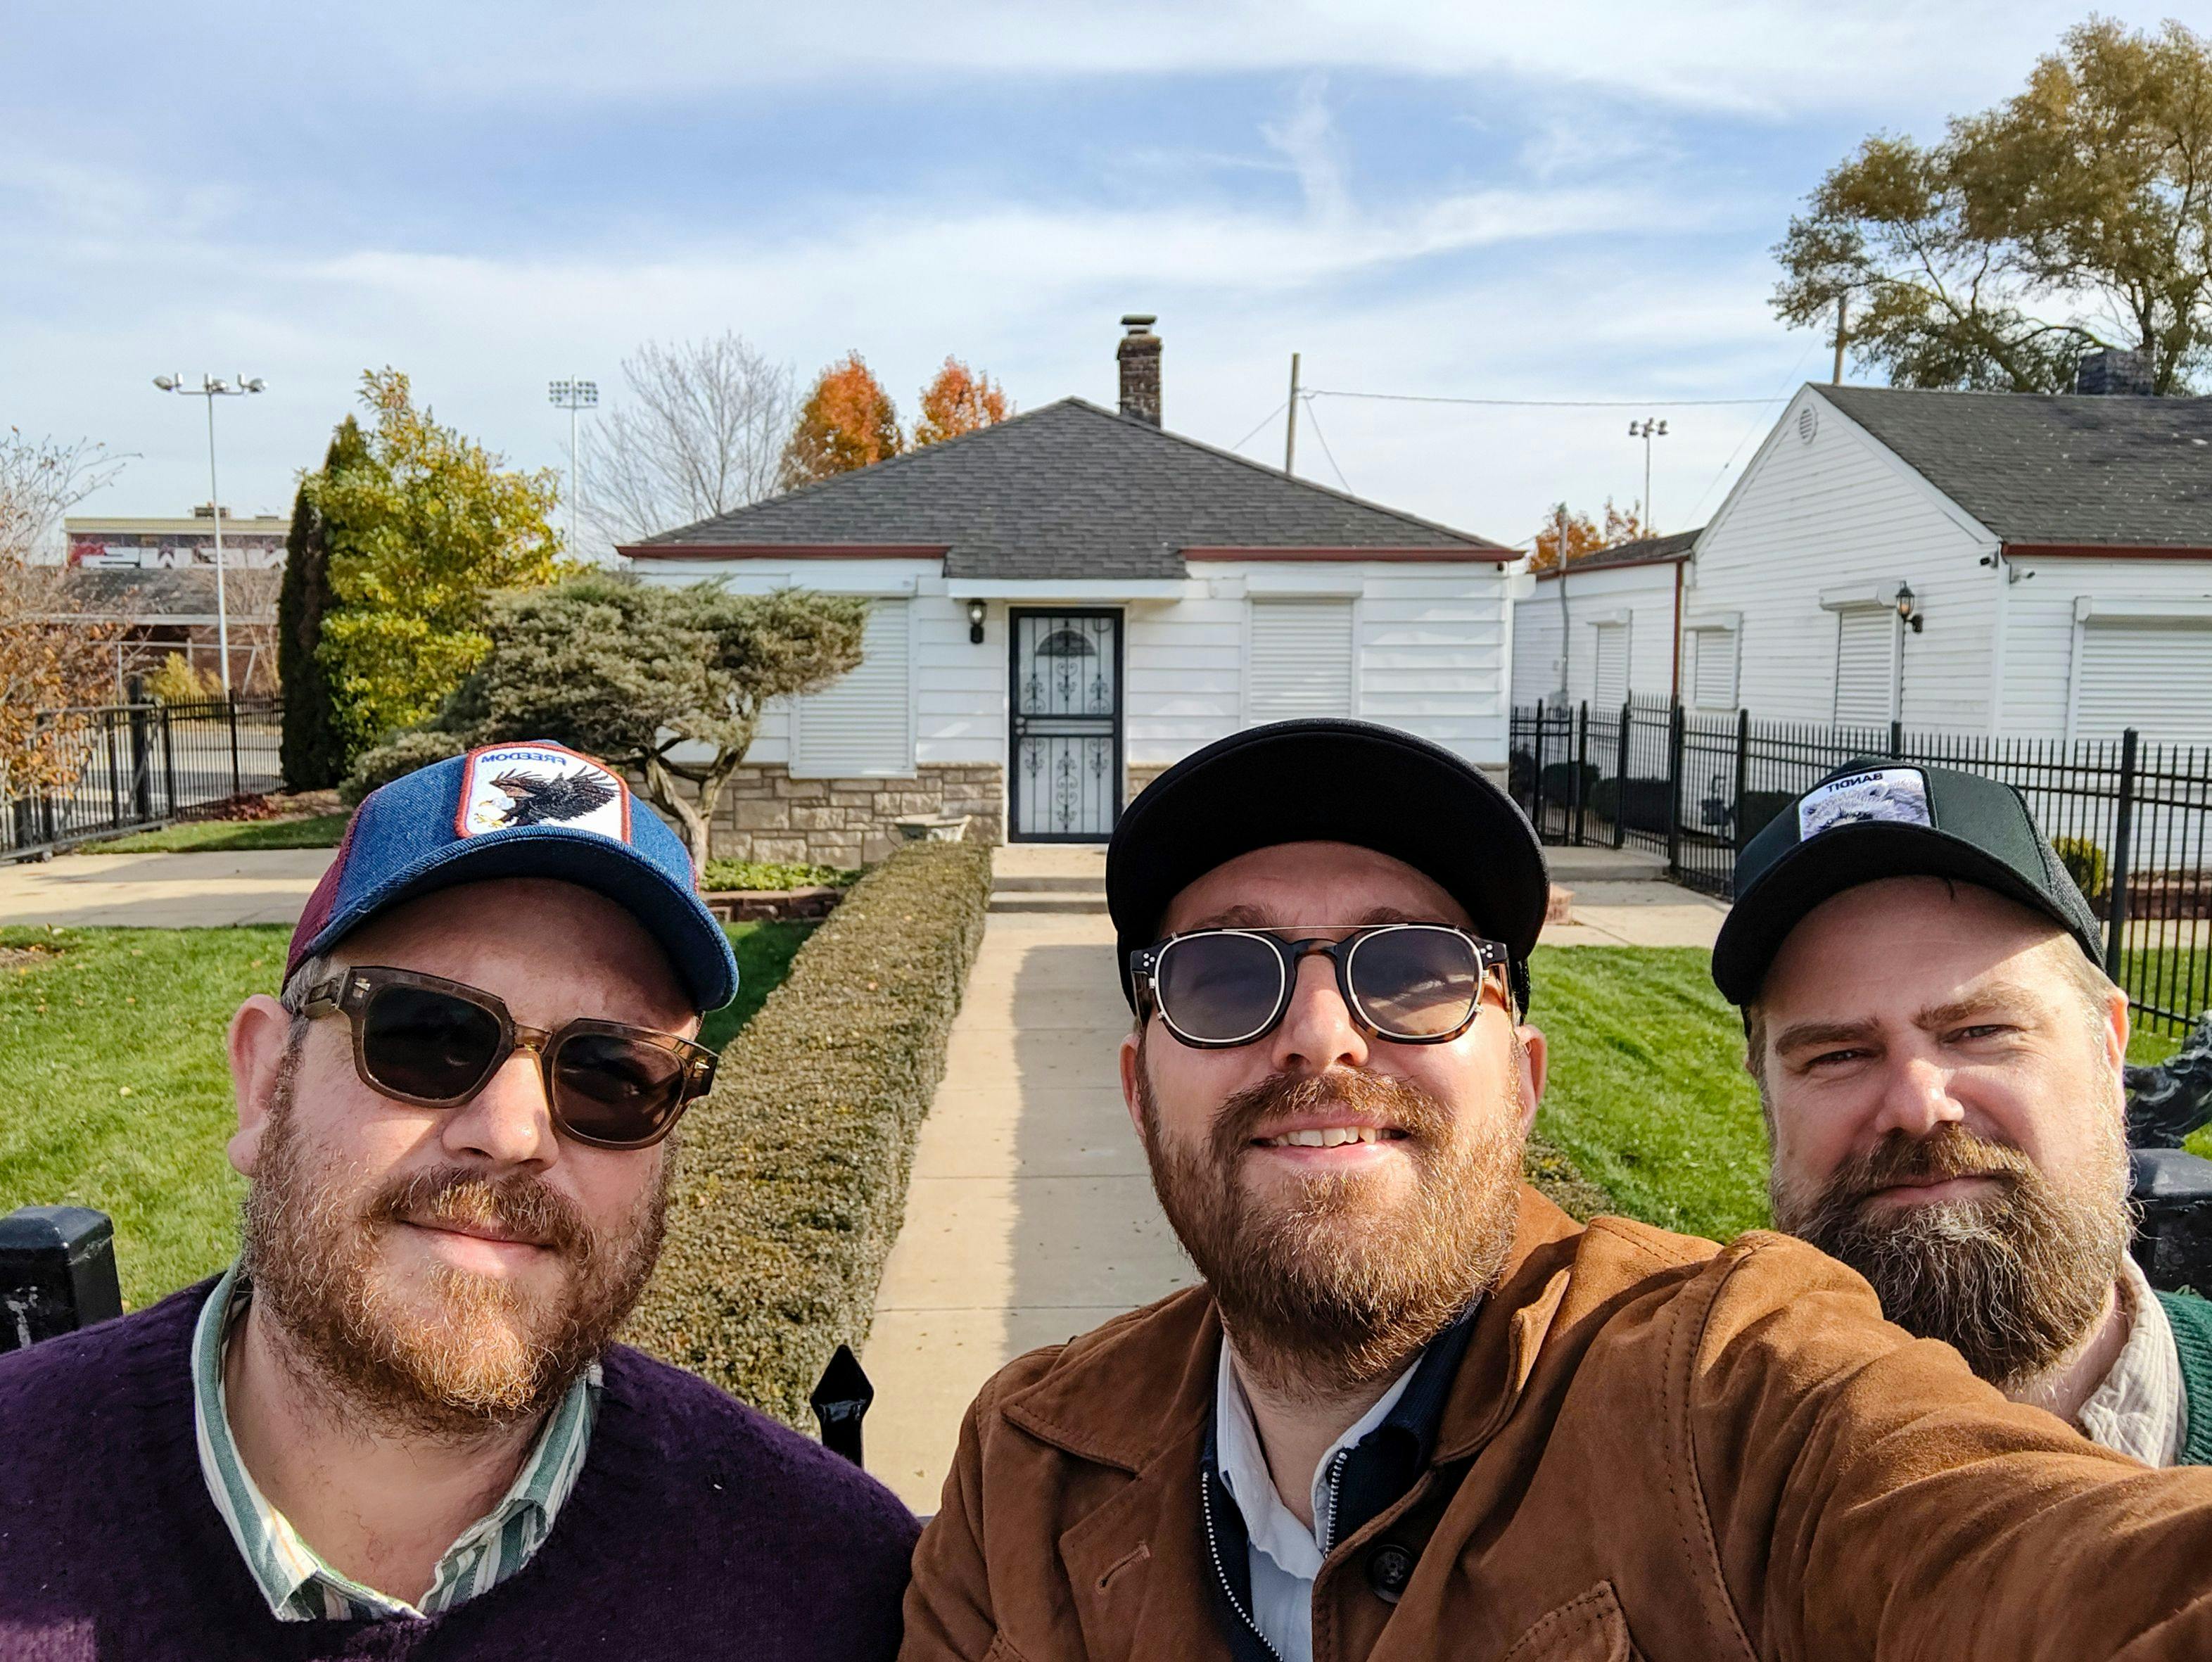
(1030, 1217)
(162, 891)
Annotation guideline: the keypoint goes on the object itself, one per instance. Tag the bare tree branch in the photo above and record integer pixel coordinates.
(41, 480)
(700, 433)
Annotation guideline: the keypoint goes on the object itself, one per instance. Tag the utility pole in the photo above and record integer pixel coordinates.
(1566, 623)
(1843, 306)
(571, 396)
(212, 387)
(1291, 423)
(1648, 429)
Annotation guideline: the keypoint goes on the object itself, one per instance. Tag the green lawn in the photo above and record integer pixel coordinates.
(111, 1069)
(320, 831)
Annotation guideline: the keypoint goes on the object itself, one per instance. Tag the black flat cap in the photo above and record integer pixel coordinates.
(1329, 781)
(1872, 820)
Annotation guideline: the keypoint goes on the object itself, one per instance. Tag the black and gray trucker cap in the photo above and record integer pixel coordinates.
(1872, 820)
(1329, 781)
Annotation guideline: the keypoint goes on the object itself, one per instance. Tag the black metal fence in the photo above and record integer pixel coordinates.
(2130, 818)
(128, 767)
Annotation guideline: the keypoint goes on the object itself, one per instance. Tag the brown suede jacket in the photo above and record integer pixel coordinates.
(1655, 1448)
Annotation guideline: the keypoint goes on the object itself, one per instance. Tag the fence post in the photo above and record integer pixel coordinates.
(1582, 768)
(141, 760)
(1743, 773)
(230, 708)
(1675, 736)
(2116, 917)
(1896, 736)
(169, 766)
(1620, 782)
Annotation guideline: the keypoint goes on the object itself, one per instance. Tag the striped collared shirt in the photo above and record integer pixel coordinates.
(298, 1585)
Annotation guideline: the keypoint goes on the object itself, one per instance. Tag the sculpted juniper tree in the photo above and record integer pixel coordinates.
(669, 683)
(2076, 215)
(700, 432)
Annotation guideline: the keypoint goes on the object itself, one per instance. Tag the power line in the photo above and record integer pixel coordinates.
(1531, 404)
(1326, 451)
(1255, 433)
(1751, 430)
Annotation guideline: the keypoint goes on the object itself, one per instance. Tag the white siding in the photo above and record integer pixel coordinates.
(1302, 659)
(861, 725)
(2154, 674)
(1646, 593)
(1843, 512)
(1866, 666)
(2042, 640)
(1183, 681)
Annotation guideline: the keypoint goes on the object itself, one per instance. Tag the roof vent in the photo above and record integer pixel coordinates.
(1139, 355)
(1808, 424)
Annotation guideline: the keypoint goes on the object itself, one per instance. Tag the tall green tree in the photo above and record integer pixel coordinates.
(313, 751)
(421, 530)
(2074, 215)
(667, 685)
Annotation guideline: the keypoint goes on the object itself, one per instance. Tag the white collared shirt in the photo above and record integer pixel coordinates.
(1283, 1555)
(2142, 1408)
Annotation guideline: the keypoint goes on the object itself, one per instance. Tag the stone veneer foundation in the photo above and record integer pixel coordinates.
(766, 814)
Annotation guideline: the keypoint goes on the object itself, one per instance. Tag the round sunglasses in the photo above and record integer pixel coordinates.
(423, 1039)
(1411, 984)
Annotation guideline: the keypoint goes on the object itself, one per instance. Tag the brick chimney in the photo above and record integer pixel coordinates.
(2111, 373)
(1140, 353)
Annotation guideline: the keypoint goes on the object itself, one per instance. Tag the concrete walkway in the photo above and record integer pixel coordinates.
(1030, 1218)
(162, 891)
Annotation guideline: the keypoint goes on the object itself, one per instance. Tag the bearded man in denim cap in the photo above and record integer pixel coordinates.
(398, 1426)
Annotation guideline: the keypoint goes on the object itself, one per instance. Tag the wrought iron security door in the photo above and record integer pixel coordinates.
(1067, 726)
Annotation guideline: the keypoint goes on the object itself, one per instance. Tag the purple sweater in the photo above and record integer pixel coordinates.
(698, 1528)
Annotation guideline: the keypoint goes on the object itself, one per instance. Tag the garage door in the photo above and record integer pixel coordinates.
(2155, 674)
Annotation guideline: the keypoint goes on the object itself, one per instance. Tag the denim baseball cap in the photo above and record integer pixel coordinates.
(529, 809)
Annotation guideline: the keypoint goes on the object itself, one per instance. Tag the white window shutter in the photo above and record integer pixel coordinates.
(1611, 666)
(2152, 675)
(1301, 658)
(861, 726)
(1866, 666)
(1713, 685)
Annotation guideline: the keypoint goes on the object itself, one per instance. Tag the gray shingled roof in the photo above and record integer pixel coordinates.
(2035, 469)
(1071, 490)
(1674, 545)
(151, 593)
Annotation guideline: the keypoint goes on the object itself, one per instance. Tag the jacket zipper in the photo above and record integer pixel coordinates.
(1213, 1547)
(1335, 1499)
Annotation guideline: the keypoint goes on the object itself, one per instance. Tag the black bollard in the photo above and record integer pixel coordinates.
(2173, 1190)
(57, 1273)
(839, 1402)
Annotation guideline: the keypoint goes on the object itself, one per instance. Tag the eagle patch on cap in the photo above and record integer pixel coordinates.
(505, 787)
(1894, 795)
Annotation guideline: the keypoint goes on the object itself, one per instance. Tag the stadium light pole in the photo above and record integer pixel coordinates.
(1648, 429)
(573, 395)
(212, 387)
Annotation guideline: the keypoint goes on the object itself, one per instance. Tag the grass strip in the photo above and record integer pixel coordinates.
(318, 831)
(791, 1180)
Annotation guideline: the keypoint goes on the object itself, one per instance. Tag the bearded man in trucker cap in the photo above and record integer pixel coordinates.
(1938, 1052)
(397, 1426)
(1414, 1409)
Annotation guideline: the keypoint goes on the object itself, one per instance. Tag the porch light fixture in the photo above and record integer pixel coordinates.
(974, 623)
(1907, 609)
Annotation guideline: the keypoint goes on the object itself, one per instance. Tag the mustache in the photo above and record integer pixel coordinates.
(1414, 1110)
(1948, 1152)
(516, 1204)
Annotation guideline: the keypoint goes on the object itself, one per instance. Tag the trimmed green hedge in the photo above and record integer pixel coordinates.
(792, 1177)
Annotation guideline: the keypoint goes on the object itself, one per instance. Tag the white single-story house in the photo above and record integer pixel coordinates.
(1608, 630)
(1980, 562)
(1069, 601)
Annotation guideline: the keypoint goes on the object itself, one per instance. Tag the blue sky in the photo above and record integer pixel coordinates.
(1567, 201)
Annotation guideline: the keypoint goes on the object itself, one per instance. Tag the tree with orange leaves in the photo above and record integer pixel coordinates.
(1584, 535)
(846, 422)
(958, 401)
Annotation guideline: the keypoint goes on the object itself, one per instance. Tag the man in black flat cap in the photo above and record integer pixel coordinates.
(1415, 1410)
(1938, 1053)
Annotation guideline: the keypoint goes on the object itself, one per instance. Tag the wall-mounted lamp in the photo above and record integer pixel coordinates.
(1907, 609)
(974, 623)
